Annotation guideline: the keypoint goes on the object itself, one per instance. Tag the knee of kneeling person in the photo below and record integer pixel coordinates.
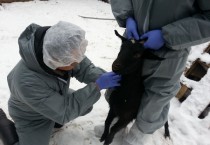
(87, 111)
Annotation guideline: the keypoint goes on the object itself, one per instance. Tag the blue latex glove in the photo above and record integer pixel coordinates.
(131, 29)
(154, 39)
(108, 80)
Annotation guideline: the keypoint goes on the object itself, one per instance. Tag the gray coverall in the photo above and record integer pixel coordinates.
(184, 23)
(39, 99)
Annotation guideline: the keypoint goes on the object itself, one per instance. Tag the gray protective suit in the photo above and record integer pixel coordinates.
(184, 23)
(39, 99)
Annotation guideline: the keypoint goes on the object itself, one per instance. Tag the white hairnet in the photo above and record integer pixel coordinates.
(64, 44)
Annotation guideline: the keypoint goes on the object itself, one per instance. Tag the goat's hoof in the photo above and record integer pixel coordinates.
(101, 140)
(167, 136)
(103, 137)
(108, 141)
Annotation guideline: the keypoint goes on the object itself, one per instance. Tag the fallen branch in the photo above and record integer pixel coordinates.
(10, 1)
(85, 17)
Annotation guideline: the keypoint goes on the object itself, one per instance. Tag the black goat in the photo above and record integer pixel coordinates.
(124, 101)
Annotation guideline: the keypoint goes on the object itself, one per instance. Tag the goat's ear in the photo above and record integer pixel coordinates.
(120, 36)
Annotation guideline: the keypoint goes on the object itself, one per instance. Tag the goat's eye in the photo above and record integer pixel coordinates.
(137, 55)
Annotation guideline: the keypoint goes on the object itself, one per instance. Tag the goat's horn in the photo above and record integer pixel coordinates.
(121, 37)
(116, 33)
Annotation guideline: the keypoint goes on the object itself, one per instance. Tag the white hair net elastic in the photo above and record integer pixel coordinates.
(64, 44)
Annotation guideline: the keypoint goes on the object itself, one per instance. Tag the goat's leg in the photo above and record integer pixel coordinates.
(167, 133)
(109, 119)
(121, 123)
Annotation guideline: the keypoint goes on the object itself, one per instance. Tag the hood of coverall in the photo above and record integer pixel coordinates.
(27, 45)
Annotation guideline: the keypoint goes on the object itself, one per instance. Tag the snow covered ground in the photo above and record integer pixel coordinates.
(185, 126)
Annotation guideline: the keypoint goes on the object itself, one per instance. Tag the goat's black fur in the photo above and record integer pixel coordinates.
(124, 101)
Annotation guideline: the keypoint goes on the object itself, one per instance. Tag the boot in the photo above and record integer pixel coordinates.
(8, 132)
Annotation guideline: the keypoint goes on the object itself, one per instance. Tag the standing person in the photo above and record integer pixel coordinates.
(170, 28)
(40, 96)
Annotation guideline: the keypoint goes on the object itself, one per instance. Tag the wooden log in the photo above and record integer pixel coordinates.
(106, 1)
(205, 112)
(207, 50)
(183, 93)
(197, 70)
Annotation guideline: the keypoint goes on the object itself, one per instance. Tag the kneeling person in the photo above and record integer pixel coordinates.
(39, 83)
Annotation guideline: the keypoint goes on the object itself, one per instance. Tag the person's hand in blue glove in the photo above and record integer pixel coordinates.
(154, 39)
(131, 29)
(108, 80)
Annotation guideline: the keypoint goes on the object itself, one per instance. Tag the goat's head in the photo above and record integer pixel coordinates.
(129, 56)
